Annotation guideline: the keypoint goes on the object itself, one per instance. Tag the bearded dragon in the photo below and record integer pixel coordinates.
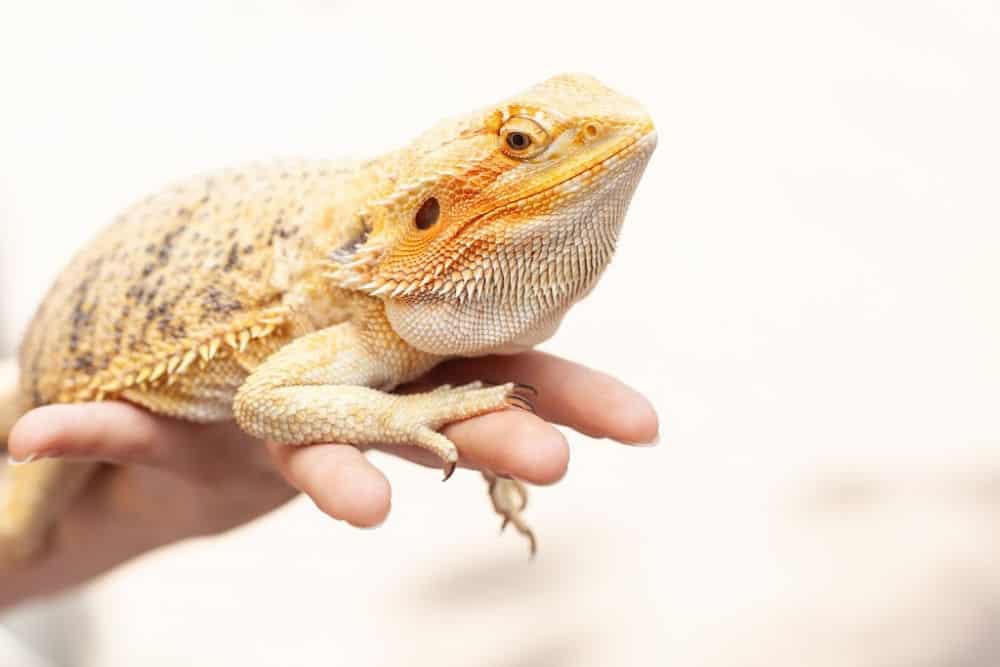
(295, 296)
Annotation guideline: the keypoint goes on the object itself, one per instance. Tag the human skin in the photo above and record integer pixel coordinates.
(175, 480)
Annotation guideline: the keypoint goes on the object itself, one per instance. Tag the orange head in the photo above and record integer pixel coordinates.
(488, 227)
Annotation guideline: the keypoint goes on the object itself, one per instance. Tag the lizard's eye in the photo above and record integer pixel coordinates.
(518, 141)
(522, 138)
(428, 214)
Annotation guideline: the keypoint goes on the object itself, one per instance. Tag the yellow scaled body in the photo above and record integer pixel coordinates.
(293, 296)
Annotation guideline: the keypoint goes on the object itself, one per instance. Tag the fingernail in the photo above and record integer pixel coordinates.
(20, 462)
(649, 443)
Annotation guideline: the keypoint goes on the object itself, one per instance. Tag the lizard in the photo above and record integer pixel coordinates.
(295, 296)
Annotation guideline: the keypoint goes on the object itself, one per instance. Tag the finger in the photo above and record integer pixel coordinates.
(510, 442)
(106, 431)
(571, 394)
(339, 479)
(121, 433)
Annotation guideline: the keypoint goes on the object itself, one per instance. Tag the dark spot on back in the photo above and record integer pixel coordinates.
(84, 363)
(216, 303)
(233, 259)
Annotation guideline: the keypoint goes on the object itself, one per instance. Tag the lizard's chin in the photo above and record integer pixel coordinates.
(470, 330)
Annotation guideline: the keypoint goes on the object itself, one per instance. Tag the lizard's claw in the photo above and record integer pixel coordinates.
(509, 498)
(526, 387)
(417, 418)
(518, 401)
(522, 396)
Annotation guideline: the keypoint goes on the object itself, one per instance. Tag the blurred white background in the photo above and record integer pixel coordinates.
(806, 288)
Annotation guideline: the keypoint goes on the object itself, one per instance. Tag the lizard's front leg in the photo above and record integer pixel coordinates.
(331, 386)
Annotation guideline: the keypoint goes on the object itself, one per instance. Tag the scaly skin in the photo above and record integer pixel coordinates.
(295, 296)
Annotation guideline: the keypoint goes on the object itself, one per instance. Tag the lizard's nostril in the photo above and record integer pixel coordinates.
(592, 130)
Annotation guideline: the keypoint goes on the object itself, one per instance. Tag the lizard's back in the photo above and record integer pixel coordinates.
(168, 283)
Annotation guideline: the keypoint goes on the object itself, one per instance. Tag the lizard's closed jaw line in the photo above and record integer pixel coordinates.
(649, 138)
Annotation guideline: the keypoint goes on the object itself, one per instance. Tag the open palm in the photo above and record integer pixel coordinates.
(174, 480)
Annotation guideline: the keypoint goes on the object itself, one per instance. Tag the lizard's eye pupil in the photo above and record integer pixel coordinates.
(428, 214)
(518, 140)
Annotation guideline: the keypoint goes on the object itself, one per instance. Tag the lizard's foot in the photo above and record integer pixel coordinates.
(509, 498)
(320, 388)
(445, 404)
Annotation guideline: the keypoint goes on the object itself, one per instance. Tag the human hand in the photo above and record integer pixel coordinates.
(174, 479)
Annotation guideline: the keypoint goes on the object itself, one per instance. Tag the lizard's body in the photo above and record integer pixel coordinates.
(294, 295)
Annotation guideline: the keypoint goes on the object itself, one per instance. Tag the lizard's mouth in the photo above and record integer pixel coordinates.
(575, 176)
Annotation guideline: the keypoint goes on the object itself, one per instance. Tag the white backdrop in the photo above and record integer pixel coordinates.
(806, 288)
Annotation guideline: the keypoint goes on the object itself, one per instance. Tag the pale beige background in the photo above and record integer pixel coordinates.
(806, 288)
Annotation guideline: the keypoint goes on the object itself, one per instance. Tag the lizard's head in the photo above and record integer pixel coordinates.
(489, 227)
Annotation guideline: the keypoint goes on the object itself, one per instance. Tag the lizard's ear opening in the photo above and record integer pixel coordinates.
(428, 214)
(352, 263)
(345, 253)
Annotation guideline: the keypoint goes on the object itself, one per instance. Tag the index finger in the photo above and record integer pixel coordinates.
(569, 393)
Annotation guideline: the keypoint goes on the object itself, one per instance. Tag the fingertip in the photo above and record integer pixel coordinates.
(515, 443)
(374, 499)
(110, 431)
(640, 424)
(614, 410)
(537, 453)
(340, 481)
(37, 432)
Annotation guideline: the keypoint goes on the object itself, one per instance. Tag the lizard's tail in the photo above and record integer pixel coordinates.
(32, 495)
(9, 410)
